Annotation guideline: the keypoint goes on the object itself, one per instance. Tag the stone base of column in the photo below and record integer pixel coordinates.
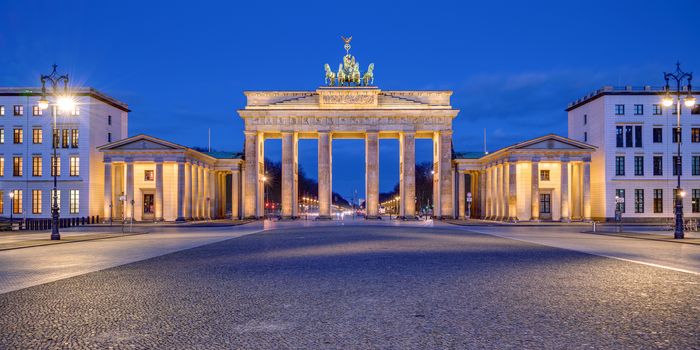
(567, 220)
(324, 217)
(180, 219)
(159, 219)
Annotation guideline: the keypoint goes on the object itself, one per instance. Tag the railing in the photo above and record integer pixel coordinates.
(29, 224)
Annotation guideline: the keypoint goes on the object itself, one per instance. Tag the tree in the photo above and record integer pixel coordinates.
(424, 185)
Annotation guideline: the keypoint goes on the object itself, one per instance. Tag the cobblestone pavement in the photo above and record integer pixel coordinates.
(356, 287)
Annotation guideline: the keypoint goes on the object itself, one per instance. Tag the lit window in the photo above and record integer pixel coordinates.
(676, 133)
(696, 200)
(2, 135)
(149, 175)
(18, 110)
(17, 202)
(36, 166)
(75, 111)
(18, 135)
(74, 138)
(620, 193)
(36, 201)
(58, 199)
(638, 200)
(65, 138)
(36, 111)
(74, 166)
(658, 200)
(74, 201)
(2, 201)
(695, 135)
(2, 169)
(544, 175)
(2, 112)
(37, 136)
(55, 166)
(17, 166)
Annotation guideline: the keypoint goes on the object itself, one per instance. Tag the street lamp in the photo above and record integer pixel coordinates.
(264, 180)
(12, 207)
(65, 102)
(678, 76)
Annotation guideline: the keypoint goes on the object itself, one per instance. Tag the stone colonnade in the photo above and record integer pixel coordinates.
(254, 171)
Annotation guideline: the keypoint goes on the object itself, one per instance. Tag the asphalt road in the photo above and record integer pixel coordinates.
(361, 287)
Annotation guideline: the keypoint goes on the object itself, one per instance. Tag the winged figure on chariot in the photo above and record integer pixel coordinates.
(348, 73)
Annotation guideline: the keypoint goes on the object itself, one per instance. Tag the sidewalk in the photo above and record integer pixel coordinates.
(28, 239)
(654, 235)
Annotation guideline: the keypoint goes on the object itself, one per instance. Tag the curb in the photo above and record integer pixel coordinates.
(44, 243)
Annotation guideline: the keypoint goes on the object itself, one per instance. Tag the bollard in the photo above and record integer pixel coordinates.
(594, 225)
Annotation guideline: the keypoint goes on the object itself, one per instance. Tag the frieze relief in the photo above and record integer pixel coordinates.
(444, 122)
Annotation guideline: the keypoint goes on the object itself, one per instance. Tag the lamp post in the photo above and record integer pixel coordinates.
(12, 207)
(65, 103)
(678, 76)
(264, 179)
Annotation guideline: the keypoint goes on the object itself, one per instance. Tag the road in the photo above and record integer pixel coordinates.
(369, 286)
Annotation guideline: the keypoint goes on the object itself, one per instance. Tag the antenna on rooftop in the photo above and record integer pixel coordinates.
(485, 151)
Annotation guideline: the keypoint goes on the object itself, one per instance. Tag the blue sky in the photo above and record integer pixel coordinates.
(513, 66)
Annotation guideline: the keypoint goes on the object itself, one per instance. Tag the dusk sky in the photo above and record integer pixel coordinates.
(513, 66)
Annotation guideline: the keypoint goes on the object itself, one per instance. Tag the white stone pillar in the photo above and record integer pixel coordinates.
(535, 193)
(287, 173)
(208, 192)
(187, 197)
(586, 179)
(202, 194)
(487, 193)
(446, 175)
(108, 202)
(130, 189)
(513, 191)
(461, 183)
(250, 200)
(159, 190)
(260, 142)
(324, 175)
(181, 197)
(499, 192)
(194, 203)
(564, 193)
(372, 174)
(235, 185)
(407, 188)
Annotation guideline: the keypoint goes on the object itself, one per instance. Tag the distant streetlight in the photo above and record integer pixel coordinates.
(678, 76)
(65, 102)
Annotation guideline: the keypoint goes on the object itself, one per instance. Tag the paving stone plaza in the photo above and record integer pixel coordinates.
(352, 285)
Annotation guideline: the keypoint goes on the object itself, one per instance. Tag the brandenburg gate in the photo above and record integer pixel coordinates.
(349, 107)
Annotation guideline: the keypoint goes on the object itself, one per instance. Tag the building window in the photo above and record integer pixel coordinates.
(620, 205)
(36, 201)
(17, 202)
(658, 165)
(2, 113)
(57, 203)
(696, 200)
(65, 138)
(696, 165)
(74, 201)
(677, 165)
(657, 135)
(658, 200)
(17, 166)
(585, 136)
(585, 119)
(109, 137)
(637, 136)
(36, 111)
(18, 135)
(109, 120)
(544, 175)
(18, 110)
(695, 109)
(638, 109)
(658, 110)
(2, 135)
(74, 138)
(620, 165)
(638, 200)
(676, 133)
(2, 169)
(148, 175)
(75, 111)
(695, 135)
(36, 166)
(628, 136)
(638, 165)
(2, 201)
(619, 136)
(619, 109)
(55, 166)
(56, 138)
(74, 169)
(37, 136)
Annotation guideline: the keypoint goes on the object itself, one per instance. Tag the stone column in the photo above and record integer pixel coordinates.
(324, 175)
(535, 193)
(235, 185)
(505, 190)
(287, 173)
(372, 174)
(482, 194)
(407, 155)
(564, 192)
(513, 191)
(208, 193)
(129, 189)
(250, 200)
(181, 197)
(202, 195)
(500, 210)
(461, 183)
(488, 197)
(260, 142)
(446, 176)
(187, 197)
(295, 176)
(586, 184)
(107, 213)
(194, 199)
(159, 190)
